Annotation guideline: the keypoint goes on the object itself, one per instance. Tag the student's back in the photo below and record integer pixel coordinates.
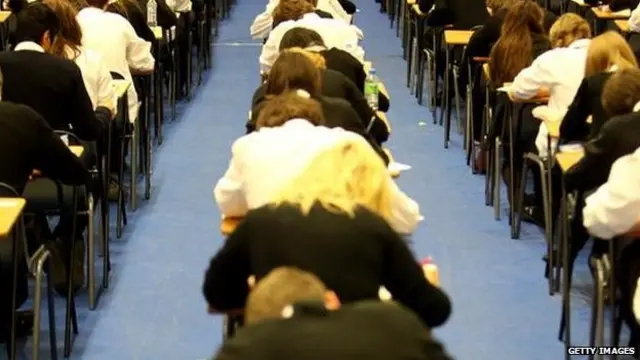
(367, 330)
(51, 86)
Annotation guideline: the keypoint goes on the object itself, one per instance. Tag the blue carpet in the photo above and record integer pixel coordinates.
(154, 308)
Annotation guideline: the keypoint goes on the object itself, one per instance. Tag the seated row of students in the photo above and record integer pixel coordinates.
(293, 314)
(330, 9)
(331, 209)
(290, 14)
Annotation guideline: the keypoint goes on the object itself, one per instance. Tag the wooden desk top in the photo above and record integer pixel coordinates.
(10, 210)
(157, 32)
(121, 87)
(607, 15)
(567, 159)
(457, 37)
(366, 66)
(76, 150)
(229, 224)
(4, 15)
(411, 2)
(623, 25)
(416, 9)
(580, 3)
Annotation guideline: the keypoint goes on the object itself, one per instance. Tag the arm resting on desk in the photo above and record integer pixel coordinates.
(531, 82)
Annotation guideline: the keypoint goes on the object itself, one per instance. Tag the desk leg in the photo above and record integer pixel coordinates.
(445, 96)
(11, 347)
(566, 272)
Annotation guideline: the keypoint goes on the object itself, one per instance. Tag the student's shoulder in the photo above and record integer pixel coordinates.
(622, 124)
(388, 314)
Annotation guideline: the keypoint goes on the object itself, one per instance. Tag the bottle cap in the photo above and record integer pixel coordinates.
(426, 261)
(372, 71)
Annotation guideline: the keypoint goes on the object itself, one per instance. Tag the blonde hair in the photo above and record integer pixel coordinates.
(607, 50)
(567, 29)
(283, 286)
(341, 179)
(317, 59)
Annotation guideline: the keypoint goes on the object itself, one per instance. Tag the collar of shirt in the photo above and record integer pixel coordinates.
(297, 123)
(580, 44)
(310, 16)
(29, 46)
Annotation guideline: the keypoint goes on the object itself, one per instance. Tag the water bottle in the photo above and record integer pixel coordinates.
(371, 89)
(152, 9)
(431, 271)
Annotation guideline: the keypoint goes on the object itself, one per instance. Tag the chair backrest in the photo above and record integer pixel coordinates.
(7, 191)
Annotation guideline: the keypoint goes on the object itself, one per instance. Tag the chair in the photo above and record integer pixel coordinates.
(35, 264)
(123, 134)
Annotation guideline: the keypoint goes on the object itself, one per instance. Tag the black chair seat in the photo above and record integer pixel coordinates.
(42, 196)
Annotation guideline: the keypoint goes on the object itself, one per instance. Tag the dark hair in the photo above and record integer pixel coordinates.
(300, 37)
(293, 71)
(282, 108)
(514, 49)
(621, 92)
(36, 20)
(100, 4)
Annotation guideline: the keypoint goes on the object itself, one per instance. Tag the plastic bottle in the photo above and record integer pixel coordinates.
(371, 89)
(152, 10)
(431, 271)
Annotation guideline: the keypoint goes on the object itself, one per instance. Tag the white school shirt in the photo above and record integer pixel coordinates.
(561, 70)
(96, 77)
(263, 22)
(180, 6)
(615, 207)
(634, 20)
(113, 37)
(268, 159)
(334, 33)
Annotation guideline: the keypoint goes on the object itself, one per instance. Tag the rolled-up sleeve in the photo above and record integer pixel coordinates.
(530, 80)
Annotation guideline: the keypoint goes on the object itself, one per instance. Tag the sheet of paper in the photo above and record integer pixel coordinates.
(396, 167)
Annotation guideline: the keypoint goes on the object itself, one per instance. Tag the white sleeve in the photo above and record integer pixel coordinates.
(636, 301)
(138, 51)
(634, 20)
(405, 212)
(229, 192)
(271, 49)
(261, 25)
(530, 80)
(615, 207)
(106, 92)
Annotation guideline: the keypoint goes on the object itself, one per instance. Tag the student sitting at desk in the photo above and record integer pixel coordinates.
(295, 71)
(560, 70)
(521, 42)
(339, 218)
(291, 315)
(618, 137)
(68, 45)
(299, 13)
(335, 85)
(336, 9)
(607, 53)
(27, 142)
(610, 212)
(461, 14)
(111, 36)
(335, 59)
(262, 162)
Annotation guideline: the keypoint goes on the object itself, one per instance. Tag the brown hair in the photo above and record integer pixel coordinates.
(317, 59)
(567, 29)
(607, 50)
(100, 4)
(293, 71)
(78, 4)
(621, 92)
(497, 5)
(283, 286)
(291, 10)
(514, 49)
(70, 34)
(292, 105)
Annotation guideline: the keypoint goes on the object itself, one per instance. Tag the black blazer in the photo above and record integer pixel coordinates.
(27, 142)
(484, 38)
(363, 330)
(353, 256)
(348, 6)
(337, 113)
(343, 62)
(462, 14)
(54, 88)
(587, 102)
(618, 137)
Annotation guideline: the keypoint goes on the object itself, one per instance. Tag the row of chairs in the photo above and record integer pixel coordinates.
(53, 199)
